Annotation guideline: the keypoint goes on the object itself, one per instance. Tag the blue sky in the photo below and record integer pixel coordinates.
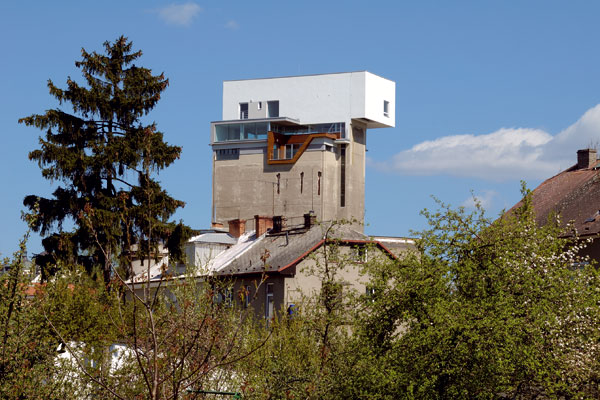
(488, 93)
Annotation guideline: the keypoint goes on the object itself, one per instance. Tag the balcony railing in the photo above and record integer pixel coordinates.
(335, 127)
(257, 130)
(241, 131)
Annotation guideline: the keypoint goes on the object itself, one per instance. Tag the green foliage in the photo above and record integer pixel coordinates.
(104, 157)
(27, 344)
(487, 310)
(154, 347)
(307, 355)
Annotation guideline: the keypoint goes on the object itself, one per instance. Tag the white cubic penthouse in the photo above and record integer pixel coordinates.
(288, 146)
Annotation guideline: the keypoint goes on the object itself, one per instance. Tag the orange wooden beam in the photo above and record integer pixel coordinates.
(305, 139)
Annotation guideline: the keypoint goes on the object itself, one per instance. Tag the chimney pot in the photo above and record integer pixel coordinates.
(586, 158)
(237, 227)
(262, 224)
(277, 223)
(309, 220)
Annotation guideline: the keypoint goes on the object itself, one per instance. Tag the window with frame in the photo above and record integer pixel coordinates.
(269, 301)
(370, 292)
(223, 296)
(247, 296)
(386, 108)
(359, 254)
(291, 150)
(227, 154)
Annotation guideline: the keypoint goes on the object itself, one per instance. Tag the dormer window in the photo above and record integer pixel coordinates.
(386, 108)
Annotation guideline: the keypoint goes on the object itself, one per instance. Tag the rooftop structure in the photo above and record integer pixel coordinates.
(270, 268)
(292, 145)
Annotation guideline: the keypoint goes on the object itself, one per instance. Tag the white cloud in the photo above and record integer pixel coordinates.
(484, 199)
(231, 24)
(179, 14)
(508, 153)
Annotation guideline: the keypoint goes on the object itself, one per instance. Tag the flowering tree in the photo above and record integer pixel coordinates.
(502, 309)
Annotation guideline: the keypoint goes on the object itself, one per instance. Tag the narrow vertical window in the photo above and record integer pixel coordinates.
(278, 183)
(247, 296)
(301, 182)
(273, 109)
(243, 110)
(343, 176)
(319, 183)
(386, 108)
(260, 105)
(269, 302)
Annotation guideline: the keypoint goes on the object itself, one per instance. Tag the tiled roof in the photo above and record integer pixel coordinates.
(272, 252)
(574, 194)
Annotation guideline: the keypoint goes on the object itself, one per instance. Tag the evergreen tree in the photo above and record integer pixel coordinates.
(106, 160)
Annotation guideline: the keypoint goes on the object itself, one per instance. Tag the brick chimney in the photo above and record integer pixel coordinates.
(216, 225)
(237, 227)
(586, 158)
(261, 224)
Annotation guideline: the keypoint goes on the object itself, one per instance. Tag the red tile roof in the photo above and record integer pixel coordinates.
(574, 194)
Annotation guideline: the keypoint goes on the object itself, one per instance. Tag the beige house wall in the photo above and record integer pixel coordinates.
(306, 283)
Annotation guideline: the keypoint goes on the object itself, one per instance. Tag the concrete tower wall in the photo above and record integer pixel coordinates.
(328, 176)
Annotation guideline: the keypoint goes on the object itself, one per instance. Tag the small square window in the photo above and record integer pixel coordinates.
(359, 254)
(386, 108)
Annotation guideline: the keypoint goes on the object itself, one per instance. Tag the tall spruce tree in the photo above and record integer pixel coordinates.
(106, 160)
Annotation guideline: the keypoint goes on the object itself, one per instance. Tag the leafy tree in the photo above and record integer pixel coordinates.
(307, 354)
(27, 344)
(105, 157)
(164, 346)
(487, 310)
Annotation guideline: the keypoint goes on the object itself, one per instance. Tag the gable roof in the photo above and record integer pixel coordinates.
(271, 252)
(275, 251)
